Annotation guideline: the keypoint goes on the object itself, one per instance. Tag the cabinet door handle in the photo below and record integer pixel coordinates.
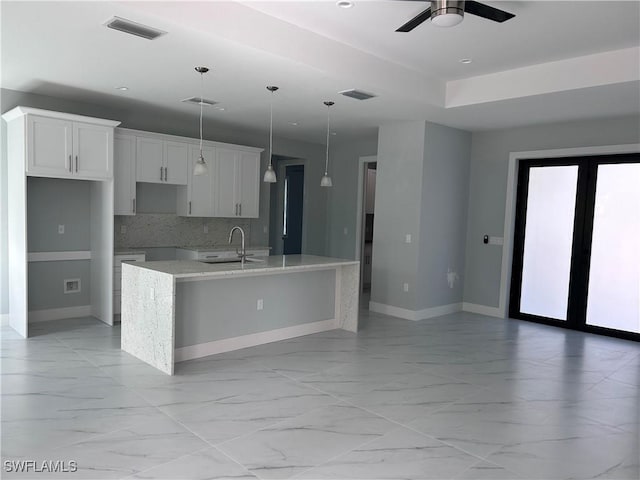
(166, 173)
(134, 205)
(211, 256)
(160, 173)
(240, 208)
(189, 207)
(70, 164)
(76, 163)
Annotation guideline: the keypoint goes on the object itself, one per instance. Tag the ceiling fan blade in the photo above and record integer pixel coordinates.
(415, 21)
(485, 11)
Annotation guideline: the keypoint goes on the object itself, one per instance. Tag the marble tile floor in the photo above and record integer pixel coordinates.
(456, 397)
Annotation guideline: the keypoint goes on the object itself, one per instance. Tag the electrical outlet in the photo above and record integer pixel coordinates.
(205, 228)
(260, 304)
(61, 229)
(405, 287)
(123, 229)
(407, 238)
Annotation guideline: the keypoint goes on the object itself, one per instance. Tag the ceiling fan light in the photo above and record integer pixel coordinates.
(448, 19)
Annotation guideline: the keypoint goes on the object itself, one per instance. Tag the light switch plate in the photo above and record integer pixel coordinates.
(260, 304)
(406, 287)
(407, 238)
(61, 229)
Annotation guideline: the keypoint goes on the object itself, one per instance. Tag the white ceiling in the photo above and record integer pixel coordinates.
(554, 61)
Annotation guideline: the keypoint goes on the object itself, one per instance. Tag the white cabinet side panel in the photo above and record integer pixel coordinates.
(17, 218)
(102, 251)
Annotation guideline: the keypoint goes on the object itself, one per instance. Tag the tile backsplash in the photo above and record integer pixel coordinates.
(170, 230)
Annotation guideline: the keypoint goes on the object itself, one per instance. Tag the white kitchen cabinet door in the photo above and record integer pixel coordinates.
(248, 180)
(225, 184)
(49, 147)
(176, 163)
(92, 149)
(149, 160)
(124, 175)
(200, 187)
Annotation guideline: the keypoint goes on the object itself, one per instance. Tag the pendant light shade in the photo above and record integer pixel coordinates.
(200, 167)
(270, 173)
(326, 179)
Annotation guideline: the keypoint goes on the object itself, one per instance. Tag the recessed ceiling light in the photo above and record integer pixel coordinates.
(466, 61)
(344, 3)
(122, 89)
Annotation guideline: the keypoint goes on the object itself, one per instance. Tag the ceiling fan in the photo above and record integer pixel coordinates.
(447, 13)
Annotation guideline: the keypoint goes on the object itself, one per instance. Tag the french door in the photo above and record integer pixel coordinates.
(576, 258)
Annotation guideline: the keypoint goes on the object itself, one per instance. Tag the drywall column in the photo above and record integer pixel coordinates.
(398, 201)
(443, 220)
(421, 192)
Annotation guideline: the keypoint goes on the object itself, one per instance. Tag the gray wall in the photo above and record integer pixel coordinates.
(144, 117)
(342, 207)
(46, 284)
(443, 227)
(488, 185)
(210, 310)
(47, 208)
(398, 200)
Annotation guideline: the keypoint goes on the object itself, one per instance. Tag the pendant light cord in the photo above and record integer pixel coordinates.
(271, 129)
(326, 164)
(201, 89)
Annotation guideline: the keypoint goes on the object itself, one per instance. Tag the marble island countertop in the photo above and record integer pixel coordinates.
(273, 264)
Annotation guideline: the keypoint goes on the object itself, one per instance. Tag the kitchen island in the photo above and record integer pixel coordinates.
(184, 309)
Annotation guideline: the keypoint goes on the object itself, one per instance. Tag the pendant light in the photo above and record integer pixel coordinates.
(270, 173)
(200, 167)
(326, 179)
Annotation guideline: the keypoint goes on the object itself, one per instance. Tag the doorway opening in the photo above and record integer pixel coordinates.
(575, 258)
(286, 229)
(366, 215)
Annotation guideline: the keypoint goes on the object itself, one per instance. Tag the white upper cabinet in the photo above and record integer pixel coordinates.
(149, 160)
(225, 186)
(162, 161)
(62, 148)
(231, 187)
(248, 184)
(93, 149)
(176, 155)
(237, 183)
(197, 199)
(124, 175)
(50, 146)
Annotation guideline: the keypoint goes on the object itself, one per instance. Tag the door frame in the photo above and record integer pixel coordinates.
(560, 154)
(360, 218)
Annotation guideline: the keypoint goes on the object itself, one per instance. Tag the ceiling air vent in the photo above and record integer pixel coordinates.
(198, 100)
(134, 28)
(357, 94)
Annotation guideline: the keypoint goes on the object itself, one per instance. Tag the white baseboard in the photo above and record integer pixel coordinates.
(59, 313)
(245, 341)
(4, 319)
(415, 315)
(482, 310)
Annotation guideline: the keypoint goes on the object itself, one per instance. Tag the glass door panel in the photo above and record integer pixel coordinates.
(546, 267)
(614, 280)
